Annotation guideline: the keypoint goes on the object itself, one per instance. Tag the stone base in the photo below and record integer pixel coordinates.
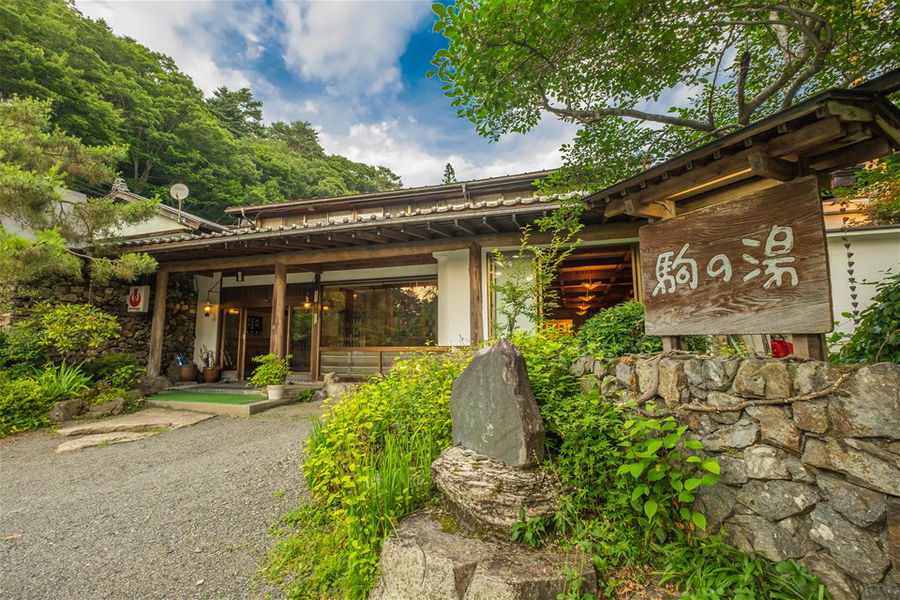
(424, 562)
(485, 492)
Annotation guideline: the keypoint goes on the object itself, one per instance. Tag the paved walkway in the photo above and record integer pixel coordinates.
(181, 515)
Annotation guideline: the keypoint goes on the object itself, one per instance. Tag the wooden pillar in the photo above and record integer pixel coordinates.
(316, 337)
(279, 291)
(476, 301)
(670, 342)
(810, 346)
(158, 323)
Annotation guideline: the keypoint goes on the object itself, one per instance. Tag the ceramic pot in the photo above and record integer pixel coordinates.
(187, 372)
(275, 392)
(211, 374)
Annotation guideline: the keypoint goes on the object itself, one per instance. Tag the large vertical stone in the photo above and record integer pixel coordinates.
(856, 551)
(869, 403)
(493, 409)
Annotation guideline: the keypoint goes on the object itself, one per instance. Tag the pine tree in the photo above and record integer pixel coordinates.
(449, 174)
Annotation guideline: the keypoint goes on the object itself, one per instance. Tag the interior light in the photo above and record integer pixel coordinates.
(234, 311)
(306, 303)
(591, 285)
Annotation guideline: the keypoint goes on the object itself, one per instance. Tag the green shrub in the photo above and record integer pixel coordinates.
(72, 331)
(272, 370)
(23, 405)
(62, 382)
(21, 350)
(548, 357)
(619, 330)
(119, 369)
(876, 335)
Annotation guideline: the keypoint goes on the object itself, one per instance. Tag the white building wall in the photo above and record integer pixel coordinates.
(874, 252)
(207, 328)
(453, 297)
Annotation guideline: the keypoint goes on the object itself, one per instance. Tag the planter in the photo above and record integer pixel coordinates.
(187, 373)
(275, 392)
(211, 374)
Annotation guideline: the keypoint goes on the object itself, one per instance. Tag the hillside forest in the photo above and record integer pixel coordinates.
(109, 90)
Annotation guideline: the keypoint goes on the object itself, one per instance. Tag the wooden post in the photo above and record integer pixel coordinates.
(158, 323)
(810, 346)
(476, 303)
(279, 291)
(316, 337)
(670, 342)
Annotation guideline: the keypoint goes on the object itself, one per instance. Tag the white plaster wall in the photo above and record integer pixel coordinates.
(874, 252)
(207, 328)
(453, 297)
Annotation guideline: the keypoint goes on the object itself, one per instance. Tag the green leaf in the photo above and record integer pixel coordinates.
(699, 520)
(685, 497)
(691, 484)
(650, 508)
(694, 444)
(711, 465)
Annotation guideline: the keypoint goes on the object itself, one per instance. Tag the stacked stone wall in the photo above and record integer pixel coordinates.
(810, 459)
(181, 312)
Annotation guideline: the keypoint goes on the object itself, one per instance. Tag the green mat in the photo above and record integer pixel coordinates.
(210, 397)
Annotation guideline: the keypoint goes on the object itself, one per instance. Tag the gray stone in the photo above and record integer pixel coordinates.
(151, 418)
(733, 470)
(766, 462)
(103, 439)
(422, 561)
(719, 372)
(775, 541)
(646, 370)
(716, 503)
(798, 471)
(625, 373)
(860, 466)
(720, 399)
(153, 384)
(583, 366)
(881, 591)
(66, 410)
(741, 434)
(776, 426)
(762, 378)
(776, 500)
(672, 380)
(893, 536)
(869, 403)
(856, 552)
(693, 370)
(813, 376)
(489, 492)
(859, 505)
(811, 415)
(493, 409)
(838, 584)
(116, 406)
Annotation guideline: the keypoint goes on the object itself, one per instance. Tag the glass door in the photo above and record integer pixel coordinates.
(230, 353)
(300, 337)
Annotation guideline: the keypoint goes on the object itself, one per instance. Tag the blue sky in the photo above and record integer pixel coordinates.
(354, 69)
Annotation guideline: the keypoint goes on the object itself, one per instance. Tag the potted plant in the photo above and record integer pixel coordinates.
(211, 371)
(271, 374)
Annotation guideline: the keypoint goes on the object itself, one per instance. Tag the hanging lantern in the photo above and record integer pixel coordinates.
(207, 308)
(306, 303)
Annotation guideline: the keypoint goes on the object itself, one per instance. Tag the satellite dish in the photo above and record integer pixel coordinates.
(179, 191)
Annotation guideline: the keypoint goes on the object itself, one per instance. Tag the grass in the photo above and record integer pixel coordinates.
(208, 397)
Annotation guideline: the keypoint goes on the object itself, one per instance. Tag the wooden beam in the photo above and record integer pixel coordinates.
(372, 237)
(467, 228)
(771, 167)
(476, 304)
(851, 155)
(394, 235)
(316, 336)
(279, 291)
(440, 232)
(810, 346)
(489, 225)
(618, 231)
(158, 323)
(658, 209)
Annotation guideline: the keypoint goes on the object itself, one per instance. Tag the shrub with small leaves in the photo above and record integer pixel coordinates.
(876, 335)
(23, 405)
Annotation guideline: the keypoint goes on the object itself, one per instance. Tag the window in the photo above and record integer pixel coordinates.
(382, 314)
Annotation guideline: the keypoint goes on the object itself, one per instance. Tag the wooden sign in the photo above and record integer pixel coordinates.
(137, 298)
(752, 265)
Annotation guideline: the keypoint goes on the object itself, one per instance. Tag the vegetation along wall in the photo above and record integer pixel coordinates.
(808, 451)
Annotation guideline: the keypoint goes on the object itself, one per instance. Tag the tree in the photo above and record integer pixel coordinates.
(37, 163)
(606, 66)
(237, 111)
(299, 136)
(449, 174)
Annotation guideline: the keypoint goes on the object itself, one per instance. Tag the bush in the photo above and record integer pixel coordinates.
(23, 405)
(118, 369)
(62, 382)
(619, 330)
(272, 370)
(876, 335)
(73, 330)
(21, 350)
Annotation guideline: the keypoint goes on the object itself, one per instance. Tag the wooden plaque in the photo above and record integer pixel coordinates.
(754, 264)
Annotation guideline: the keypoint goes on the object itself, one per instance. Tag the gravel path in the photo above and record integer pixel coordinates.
(181, 515)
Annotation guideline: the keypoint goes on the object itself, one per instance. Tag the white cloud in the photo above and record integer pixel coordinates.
(412, 151)
(189, 32)
(352, 47)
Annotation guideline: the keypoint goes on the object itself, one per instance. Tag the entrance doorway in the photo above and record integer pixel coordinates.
(257, 331)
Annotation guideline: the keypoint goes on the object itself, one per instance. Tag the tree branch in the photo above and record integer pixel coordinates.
(590, 116)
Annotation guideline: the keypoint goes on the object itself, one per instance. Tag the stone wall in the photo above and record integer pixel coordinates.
(816, 480)
(181, 310)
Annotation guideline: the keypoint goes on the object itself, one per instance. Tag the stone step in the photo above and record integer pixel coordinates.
(152, 418)
(102, 439)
